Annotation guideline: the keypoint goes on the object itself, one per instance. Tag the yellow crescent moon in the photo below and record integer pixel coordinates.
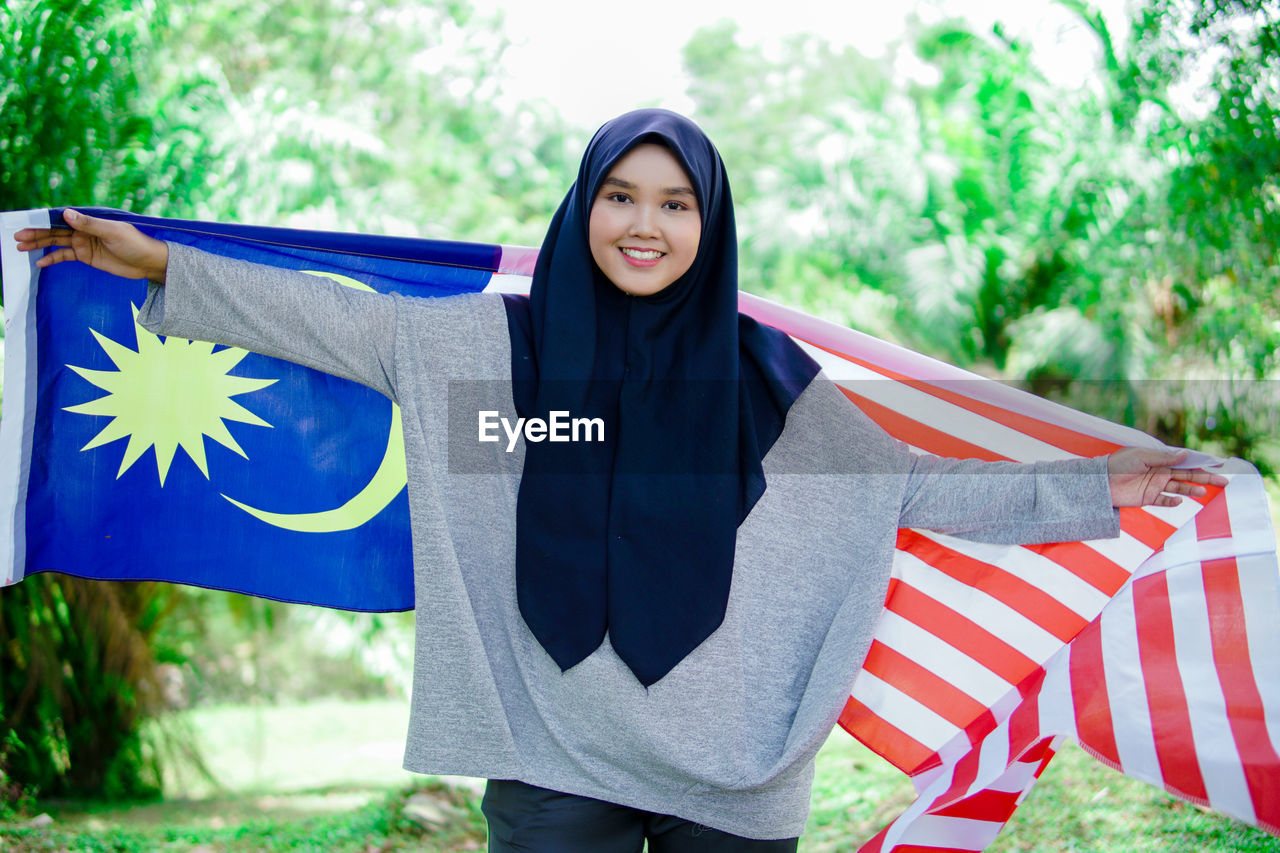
(388, 480)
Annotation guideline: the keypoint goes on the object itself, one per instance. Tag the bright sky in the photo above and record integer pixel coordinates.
(634, 51)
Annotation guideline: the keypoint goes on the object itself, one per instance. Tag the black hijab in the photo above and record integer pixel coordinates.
(635, 535)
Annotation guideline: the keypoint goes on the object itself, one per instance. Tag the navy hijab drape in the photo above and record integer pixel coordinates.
(634, 536)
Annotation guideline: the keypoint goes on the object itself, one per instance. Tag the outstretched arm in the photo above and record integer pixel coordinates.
(1012, 503)
(1142, 477)
(114, 247)
(282, 313)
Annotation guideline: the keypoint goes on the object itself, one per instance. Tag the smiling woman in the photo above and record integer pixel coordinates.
(645, 224)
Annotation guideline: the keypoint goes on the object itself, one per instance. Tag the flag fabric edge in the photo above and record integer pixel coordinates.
(17, 417)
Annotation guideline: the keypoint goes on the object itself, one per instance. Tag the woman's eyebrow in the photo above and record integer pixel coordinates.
(627, 185)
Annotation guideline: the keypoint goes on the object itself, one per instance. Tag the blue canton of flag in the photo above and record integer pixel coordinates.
(134, 457)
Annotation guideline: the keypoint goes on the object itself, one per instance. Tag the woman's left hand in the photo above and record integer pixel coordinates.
(1143, 477)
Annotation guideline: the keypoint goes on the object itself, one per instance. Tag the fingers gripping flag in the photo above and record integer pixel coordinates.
(127, 456)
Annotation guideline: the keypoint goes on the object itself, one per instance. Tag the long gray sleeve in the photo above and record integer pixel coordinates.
(1008, 502)
(307, 319)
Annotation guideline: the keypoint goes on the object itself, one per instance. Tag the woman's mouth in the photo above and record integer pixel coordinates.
(641, 257)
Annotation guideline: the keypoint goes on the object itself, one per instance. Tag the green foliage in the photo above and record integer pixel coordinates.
(1113, 245)
(69, 127)
(79, 676)
(380, 117)
(85, 116)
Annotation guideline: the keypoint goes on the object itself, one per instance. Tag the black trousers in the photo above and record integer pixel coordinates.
(529, 819)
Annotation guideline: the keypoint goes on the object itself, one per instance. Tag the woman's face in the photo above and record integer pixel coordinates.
(645, 225)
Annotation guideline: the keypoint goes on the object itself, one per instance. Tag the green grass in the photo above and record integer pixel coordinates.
(326, 777)
(296, 747)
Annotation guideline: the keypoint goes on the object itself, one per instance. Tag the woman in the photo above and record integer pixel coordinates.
(647, 636)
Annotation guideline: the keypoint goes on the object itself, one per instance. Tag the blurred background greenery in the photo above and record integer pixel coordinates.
(1113, 244)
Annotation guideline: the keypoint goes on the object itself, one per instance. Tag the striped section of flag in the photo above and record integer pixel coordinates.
(1175, 683)
(987, 656)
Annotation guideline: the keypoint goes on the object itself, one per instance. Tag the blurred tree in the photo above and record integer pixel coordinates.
(1205, 79)
(1098, 242)
(376, 116)
(80, 677)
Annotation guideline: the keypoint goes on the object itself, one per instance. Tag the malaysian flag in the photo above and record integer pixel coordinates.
(1155, 650)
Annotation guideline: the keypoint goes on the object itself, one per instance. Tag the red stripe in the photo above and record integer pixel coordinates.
(1081, 444)
(1038, 754)
(940, 696)
(1027, 599)
(1085, 563)
(1214, 521)
(1246, 712)
(1145, 527)
(917, 434)
(1024, 722)
(886, 740)
(962, 777)
(1094, 726)
(1046, 756)
(993, 806)
(959, 631)
(1166, 696)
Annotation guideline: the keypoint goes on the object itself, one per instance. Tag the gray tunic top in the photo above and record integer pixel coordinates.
(728, 737)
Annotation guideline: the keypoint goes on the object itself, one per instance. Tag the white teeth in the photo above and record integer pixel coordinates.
(642, 255)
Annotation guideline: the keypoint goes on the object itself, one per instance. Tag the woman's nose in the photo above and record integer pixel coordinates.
(644, 222)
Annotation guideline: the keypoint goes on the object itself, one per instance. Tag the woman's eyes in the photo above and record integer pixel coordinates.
(623, 198)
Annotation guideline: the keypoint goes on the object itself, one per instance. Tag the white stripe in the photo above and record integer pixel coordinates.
(902, 711)
(18, 270)
(1126, 691)
(1183, 547)
(941, 658)
(1206, 706)
(1057, 710)
(980, 608)
(955, 832)
(1175, 516)
(1125, 551)
(507, 283)
(956, 421)
(922, 367)
(930, 410)
(1258, 587)
(1039, 571)
(1021, 776)
(1055, 745)
(1260, 590)
(993, 759)
(1249, 510)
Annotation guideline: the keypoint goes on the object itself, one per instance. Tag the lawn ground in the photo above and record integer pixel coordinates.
(326, 776)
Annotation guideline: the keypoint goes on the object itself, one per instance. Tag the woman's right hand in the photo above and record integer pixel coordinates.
(105, 244)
